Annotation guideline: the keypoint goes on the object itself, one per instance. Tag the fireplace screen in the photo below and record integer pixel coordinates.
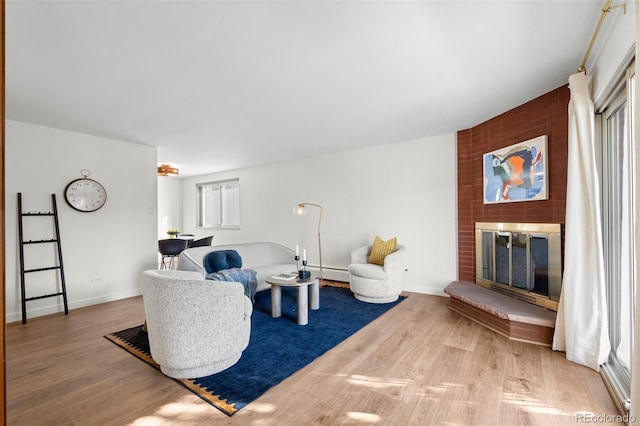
(521, 260)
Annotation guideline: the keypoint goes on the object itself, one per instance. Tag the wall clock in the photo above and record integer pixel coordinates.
(85, 195)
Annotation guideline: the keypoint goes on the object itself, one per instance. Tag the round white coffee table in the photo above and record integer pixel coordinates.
(304, 304)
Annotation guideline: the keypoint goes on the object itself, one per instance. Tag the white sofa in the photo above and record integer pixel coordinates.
(196, 327)
(265, 258)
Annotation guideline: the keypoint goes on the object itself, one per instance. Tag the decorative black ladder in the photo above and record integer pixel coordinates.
(55, 241)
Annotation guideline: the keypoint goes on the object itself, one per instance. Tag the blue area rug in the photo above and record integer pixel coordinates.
(278, 347)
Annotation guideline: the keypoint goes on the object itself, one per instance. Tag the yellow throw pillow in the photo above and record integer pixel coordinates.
(380, 249)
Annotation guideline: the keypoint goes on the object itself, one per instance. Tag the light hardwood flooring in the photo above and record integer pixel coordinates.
(419, 364)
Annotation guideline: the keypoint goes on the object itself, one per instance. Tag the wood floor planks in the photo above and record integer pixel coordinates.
(419, 364)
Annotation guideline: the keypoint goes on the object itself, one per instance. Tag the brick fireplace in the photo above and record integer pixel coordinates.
(545, 115)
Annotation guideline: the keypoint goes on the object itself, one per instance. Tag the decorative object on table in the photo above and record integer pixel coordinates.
(303, 274)
(516, 173)
(167, 170)
(286, 276)
(173, 232)
(297, 259)
(377, 282)
(301, 210)
(277, 349)
(85, 195)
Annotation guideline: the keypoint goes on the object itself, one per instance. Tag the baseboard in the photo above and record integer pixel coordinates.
(73, 304)
(336, 273)
(434, 291)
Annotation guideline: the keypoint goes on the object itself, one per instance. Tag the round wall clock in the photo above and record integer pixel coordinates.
(85, 195)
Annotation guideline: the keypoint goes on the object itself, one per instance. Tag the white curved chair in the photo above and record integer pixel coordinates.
(196, 327)
(374, 283)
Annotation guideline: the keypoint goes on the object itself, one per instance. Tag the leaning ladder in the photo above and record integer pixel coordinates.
(55, 240)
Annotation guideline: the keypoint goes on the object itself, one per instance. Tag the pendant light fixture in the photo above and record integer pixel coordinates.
(167, 170)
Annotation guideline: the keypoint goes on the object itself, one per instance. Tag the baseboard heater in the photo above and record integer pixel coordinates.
(334, 273)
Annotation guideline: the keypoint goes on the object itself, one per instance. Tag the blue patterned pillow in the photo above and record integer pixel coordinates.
(221, 259)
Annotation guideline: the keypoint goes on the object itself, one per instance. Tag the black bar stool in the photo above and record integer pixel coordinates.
(170, 248)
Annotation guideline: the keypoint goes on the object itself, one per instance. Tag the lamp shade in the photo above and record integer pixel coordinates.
(300, 210)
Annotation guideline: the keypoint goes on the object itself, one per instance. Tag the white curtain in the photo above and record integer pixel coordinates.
(582, 329)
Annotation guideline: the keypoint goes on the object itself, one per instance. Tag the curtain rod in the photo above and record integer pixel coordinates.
(605, 10)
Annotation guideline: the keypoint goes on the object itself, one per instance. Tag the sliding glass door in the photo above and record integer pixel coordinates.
(617, 173)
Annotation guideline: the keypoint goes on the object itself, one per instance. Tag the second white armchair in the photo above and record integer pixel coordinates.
(377, 283)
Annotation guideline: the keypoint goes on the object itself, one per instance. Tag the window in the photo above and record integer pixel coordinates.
(617, 173)
(219, 204)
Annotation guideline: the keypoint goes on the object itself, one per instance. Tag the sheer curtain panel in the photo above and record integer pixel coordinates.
(581, 325)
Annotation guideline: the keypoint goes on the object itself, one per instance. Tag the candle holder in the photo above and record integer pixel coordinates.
(303, 274)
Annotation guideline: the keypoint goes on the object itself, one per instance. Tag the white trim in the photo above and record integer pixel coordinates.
(59, 308)
(616, 79)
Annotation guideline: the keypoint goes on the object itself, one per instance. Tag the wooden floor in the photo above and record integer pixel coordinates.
(419, 364)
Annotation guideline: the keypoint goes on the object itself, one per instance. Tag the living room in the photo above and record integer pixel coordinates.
(347, 184)
(408, 189)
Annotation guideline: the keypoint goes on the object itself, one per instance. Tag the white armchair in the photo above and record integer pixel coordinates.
(374, 283)
(196, 327)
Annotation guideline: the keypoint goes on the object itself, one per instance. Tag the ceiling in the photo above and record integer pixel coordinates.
(220, 85)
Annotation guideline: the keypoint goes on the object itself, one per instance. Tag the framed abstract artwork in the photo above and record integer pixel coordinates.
(516, 173)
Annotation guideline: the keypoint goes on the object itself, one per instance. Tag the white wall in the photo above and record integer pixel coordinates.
(103, 251)
(169, 205)
(405, 190)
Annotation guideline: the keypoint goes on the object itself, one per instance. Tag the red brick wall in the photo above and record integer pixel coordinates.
(546, 115)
